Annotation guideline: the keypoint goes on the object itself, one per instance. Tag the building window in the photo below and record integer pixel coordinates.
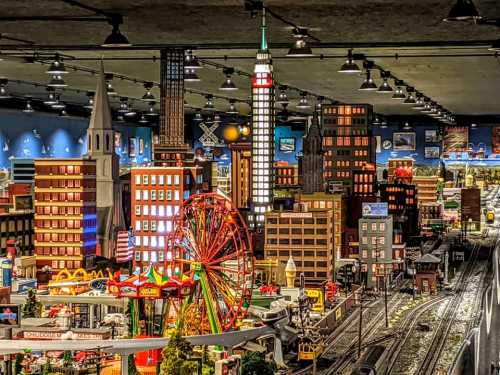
(176, 180)
(97, 142)
(145, 226)
(382, 254)
(153, 225)
(145, 256)
(169, 180)
(153, 194)
(153, 179)
(374, 227)
(145, 195)
(145, 210)
(137, 256)
(145, 179)
(153, 210)
(364, 226)
(382, 227)
(374, 240)
(381, 240)
(169, 195)
(137, 179)
(137, 195)
(161, 195)
(161, 180)
(364, 240)
(138, 225)
(176, 195)
(138, 209)
(161, 210)
(365, 254)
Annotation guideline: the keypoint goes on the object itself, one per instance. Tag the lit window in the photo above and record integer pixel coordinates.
(382, 227)
(145, 210)
(176, 180)
(145, 179)
(169, 180)
(153, 257)
(381, 240)
(364, 226)
(145, 226)
(169, 255)
(169, 225)
(382, 254)
(365, 254)
(161, 226)
(137, 195)
(169, 210)
(161, 195)
(138, 225)
(176, 195)
(145, 194)
(145, 241)
(153, 210)
(154, 243)
(161, 180)
(374, 226)
(161, 242)
(176, 209)
(138, 210)
(374, 240)
(364, 240)
(137, 179)
(137, 240)
(145, 256)
(153, 179)
(161, 210)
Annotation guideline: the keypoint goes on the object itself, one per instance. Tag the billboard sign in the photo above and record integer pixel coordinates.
(374, 209)
(10, 315)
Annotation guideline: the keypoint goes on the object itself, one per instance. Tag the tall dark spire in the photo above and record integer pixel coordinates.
(312, 162)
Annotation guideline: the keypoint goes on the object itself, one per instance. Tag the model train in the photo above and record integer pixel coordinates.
(370, 361)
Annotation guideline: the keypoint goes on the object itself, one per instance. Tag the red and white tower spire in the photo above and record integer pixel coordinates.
(263, 131)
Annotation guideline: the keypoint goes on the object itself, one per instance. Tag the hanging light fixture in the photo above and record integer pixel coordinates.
(398, 93)
(51, 97)
(228, 84)
(151, 110)
(58, 104)
(130, 111)
(473, 126)
(191, 61)
(300, 48)
(4, 94)
(197, 116)
(209, 119)
(419, 102)
(303, 103)
(282, 96)
(63, 113)
(57, 66)
(28, 108)
(190, 75)
(232, 108)
(57, 81)
(385, 88)
(410, 99)
(209, 105)
(463, 10)
(123, 105)
(427, 107)
(350, 67)
(376, 120)
(407, 126)
(109, 86)
(143, 119)
(148, 96)
(368, 84)
(90, 100)
(383, 124)
(116, 38)
(217, 118)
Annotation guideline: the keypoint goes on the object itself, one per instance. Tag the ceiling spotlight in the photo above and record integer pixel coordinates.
(383, 124)
(410, 99)
(376, 121)
(232, 108)
(109, 87)
(209, 119)
(28, 108)
(148, 96)
(228, 84)
(385, 88)
(473, 125)
(419, 102)
(300, 48)
(282, 96)
(217, 118)
(303, 103)
(368, 84)
(191, 61)
(4, 94)
(123, 105)
(116, 38)
(58, 104)
(427, 107)
(407, 126)
(151, 110)
(90, 101)
(398, 93)
(130, 111)
(463, 10)
(63, 113)
(190, 75)
(143, 119)
(57, 81)
(350, 67)
(197, 116)
(209, 105)
(51, 98)
(57, 66)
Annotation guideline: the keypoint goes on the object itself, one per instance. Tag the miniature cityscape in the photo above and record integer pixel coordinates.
(254, 244)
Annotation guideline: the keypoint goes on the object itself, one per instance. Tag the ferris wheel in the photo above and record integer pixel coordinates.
(211, 245)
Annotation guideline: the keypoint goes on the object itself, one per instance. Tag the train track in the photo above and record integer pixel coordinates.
(439, 339)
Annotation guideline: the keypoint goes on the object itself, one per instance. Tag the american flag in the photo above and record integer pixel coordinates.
(125, 243)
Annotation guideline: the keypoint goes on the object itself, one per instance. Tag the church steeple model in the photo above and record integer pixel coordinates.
(263, 131)
(312, 160)
(101, 147)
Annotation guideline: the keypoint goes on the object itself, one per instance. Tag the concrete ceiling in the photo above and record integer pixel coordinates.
(463, 84)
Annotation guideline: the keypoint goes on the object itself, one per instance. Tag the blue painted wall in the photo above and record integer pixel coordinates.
(39, 135)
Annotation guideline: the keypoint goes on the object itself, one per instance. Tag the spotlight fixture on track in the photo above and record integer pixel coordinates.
(57, 81)
(407, 126)
(90, 100)
(148, 96)
(130, 111)
(427, 107)
(303, 102)
(410, 98)
(385, 88)
(209, 105)
(109, 86)
(191, 61)
(419, 102)
(228, 84)
(368, 84)
(463, 10)
(398, 93)
(190, 75)
(197, 116)
(151, 109)
(300, 48)
(232, 108)
(282, 96)
(58, 105)
(57, 66)
(4, 94)
(116, 38)
(28, 108)
(63, 113)
(143, 119)
(350, 67)
(123, 105)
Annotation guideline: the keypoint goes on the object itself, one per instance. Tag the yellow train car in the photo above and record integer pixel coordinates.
(490, 216)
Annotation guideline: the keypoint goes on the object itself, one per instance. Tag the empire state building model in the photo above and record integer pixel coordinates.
(263, 132)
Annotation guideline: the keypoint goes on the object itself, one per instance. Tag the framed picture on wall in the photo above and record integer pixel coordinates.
(131, 147)
(141, 146)
(378, 144)
(431, 152)
(404, 141)
(431, 136)
(287, 144)
(118, 139)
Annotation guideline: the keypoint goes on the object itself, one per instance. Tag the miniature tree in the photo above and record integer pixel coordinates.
(32, 307)
(68, 358)
(176, 356)
(254, 363)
